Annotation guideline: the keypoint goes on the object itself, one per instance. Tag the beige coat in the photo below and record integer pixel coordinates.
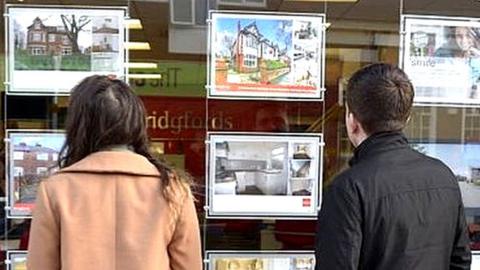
(105, 212)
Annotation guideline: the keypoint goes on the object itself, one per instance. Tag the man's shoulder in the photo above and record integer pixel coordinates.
(346, 180)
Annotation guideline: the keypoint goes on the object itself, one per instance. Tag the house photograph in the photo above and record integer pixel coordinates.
(260, 56)
(464, 161)
(32, 157)
(255, 51)
(52, 41)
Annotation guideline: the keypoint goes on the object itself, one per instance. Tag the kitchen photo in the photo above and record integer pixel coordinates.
(263, 168)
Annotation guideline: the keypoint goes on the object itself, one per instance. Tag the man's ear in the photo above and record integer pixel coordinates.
(352, 122)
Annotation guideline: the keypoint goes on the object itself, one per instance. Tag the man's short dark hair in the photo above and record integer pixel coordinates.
(380, 96)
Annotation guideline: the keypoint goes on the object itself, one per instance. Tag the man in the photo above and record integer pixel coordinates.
(394, 208)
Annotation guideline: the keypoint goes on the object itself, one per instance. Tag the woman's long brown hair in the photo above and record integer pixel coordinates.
(105, 112)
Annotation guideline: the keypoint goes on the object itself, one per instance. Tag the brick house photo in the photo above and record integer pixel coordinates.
(30, 164)
(44, 40)
(32, 157)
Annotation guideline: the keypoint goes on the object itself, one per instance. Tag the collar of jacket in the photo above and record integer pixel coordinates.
(378, 142)
(120, 162)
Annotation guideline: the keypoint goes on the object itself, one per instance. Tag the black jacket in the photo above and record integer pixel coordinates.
(394, 208)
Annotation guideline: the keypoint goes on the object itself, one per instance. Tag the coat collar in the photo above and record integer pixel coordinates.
(378, 142)
(121, 162)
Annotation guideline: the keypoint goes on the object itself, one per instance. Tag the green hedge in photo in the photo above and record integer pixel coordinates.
(275, 64)
(76, 62)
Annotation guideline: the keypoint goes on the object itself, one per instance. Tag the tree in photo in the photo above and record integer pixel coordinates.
(73, 26)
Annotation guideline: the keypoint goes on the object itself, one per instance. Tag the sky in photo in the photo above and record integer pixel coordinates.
(279, 32)
(24, 18)
(52, 140)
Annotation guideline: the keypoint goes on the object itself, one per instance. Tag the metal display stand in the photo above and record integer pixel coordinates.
(16, 259)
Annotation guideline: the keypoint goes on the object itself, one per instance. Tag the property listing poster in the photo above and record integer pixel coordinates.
(260, 56)
(17, 260)
(52, 49)
(264, 175)
(261, 260)
(475, 260)
(31, 156)
(464, 161)
(441, 55)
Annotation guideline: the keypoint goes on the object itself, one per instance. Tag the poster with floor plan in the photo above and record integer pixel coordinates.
(266, 56)
(31, 156)
(264, 175)
(260, 260)
(65, 43)
(441, 55)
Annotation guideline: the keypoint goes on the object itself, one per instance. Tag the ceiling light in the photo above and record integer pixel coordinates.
(134, 45)
(144, 76)
(139, 65)
(133, 24)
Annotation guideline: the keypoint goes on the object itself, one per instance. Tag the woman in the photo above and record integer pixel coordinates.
(112, 205)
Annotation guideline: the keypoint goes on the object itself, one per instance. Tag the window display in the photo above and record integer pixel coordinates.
(66, 43)
(264, 174)
(30, 156)
(280, 260)
(464, 161)
(441, 55)
(16, 260)
(265, 56)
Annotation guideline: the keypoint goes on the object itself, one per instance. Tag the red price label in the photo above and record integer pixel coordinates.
(306, 202)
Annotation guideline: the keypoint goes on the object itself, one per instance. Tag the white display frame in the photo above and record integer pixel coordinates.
(285, 92)
(12, 255)
(272, 206)
(408, 21)
(211, 256)
(12, 210)
(442, 150)
(475, 260)
(36, 84)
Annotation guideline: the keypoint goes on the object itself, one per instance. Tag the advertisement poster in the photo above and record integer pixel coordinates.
(464, 161)
(65, 44)
(441, 55)
(475, 260)
(31, 156)
(265, 56)
(264, 175)
(17, 260)
(261, 260)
